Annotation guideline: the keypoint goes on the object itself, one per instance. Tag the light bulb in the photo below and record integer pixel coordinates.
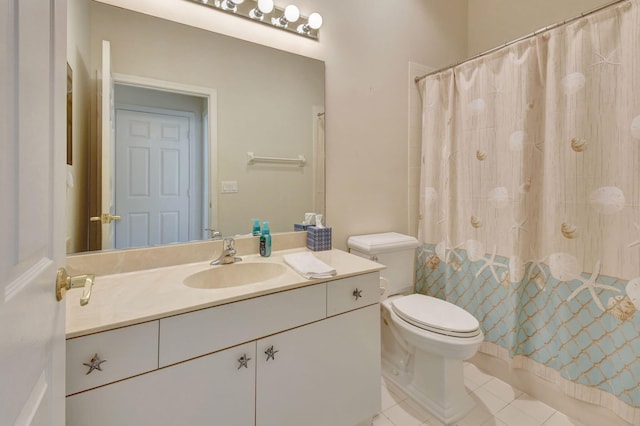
(265, 6)
(230, 5)
(291, 13)
(315, 21)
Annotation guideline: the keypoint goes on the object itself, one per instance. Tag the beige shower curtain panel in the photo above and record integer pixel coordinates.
(530, 203)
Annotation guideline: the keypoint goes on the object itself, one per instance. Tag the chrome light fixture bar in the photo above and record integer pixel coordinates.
(265, 12)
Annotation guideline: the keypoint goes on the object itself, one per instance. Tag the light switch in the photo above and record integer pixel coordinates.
(229, 186)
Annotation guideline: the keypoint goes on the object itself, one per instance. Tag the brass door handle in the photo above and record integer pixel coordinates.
(65, 282)
(105, 218)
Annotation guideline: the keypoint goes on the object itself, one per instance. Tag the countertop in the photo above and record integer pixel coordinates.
(124, 299)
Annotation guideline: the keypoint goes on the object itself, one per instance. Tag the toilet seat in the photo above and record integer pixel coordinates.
(436, 315)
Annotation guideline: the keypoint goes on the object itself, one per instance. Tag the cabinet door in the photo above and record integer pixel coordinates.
(213, 390)
(325, 373)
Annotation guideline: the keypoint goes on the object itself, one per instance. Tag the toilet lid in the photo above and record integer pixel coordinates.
(439, 316)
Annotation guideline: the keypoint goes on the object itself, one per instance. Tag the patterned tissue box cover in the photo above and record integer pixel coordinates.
(300, 227)
(318, 239)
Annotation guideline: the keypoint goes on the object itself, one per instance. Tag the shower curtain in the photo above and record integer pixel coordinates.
(530, 203)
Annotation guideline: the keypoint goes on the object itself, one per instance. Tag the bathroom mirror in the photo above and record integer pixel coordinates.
(238, 99)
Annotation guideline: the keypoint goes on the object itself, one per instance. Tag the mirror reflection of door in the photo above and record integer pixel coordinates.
(159, 163)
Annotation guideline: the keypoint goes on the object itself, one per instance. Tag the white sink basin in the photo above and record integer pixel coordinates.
(234, 275)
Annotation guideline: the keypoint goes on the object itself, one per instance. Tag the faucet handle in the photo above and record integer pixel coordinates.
(228, 243)
(213, 234)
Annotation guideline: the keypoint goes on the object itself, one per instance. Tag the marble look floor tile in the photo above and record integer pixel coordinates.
(492, 403)
(477, 416)
(390, 397)
(433, 422)
(475, 375)
(381, 420)
(495, 422)
(512, 415)
(534, 408)
(502, 390)
(559, 419)
(407, 413)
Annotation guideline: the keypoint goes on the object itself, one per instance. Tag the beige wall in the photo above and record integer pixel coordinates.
(367, 47)
(77, 57)
(495, 22)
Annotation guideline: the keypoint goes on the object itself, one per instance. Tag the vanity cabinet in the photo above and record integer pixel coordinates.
(210, 390)
(325, 373)
(308, 356)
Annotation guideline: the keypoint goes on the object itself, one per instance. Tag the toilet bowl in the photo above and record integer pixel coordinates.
(424, 339)
(425, 360)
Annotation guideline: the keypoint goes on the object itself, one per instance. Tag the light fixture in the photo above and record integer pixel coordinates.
(230, 5)
(290, 15)
(263, 7)
(264, 11)
(314, 22)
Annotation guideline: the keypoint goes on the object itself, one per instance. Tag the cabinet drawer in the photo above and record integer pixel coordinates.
(197, 333)
(126, 352)
(352, 293)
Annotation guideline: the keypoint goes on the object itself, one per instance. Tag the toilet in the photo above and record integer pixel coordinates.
(424, 339)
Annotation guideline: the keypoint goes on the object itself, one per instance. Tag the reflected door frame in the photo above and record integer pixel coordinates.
(209, 134)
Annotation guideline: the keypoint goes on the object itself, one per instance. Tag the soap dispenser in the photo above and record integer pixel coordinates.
(265, 240)
(256, 227)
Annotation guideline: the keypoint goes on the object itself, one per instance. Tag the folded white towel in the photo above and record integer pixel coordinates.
(309, 266)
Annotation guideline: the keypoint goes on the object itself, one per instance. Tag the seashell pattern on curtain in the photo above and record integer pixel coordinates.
(530, 203)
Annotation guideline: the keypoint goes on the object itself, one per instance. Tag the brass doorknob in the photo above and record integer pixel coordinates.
(65, 282)
(105, 218)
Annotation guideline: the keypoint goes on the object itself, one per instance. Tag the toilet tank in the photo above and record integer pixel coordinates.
(395, 251)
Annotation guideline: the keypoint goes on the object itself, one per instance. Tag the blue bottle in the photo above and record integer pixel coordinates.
(256, 227)
(265, 240)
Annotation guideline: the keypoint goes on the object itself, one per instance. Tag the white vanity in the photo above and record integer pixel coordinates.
(286, 351)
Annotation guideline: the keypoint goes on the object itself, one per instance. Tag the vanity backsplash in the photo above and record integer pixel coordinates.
(136, 259)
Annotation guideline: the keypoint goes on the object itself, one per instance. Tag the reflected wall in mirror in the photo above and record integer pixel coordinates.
(252, 99)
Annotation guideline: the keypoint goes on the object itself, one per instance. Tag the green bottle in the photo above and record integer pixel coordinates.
(265, 240)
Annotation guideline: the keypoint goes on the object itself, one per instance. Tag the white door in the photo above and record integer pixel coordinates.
(32, 224)
(151, 178)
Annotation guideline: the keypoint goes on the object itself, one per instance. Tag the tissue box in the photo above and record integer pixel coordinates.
(318, 239)
(300, 227)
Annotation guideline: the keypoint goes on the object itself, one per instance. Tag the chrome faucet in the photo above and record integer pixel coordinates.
(228, 254)
(213, 234)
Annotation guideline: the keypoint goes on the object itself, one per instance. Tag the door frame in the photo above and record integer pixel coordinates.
(209, 133)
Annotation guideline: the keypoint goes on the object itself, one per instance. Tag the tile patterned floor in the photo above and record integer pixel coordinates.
(497, 404)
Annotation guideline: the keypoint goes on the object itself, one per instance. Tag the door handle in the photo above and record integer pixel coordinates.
(105, 218)
(65, 282)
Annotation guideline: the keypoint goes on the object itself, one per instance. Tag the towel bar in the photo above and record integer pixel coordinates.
(300, 161)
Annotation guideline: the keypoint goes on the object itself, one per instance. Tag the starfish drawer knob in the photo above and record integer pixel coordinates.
(94, 364)
(271, 354)
(243, 361)
(357, 293)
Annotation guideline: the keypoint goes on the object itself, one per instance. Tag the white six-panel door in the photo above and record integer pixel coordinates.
(151, 179)
(32, 202)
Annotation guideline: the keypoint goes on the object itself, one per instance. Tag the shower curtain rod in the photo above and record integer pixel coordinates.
(533, 34)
